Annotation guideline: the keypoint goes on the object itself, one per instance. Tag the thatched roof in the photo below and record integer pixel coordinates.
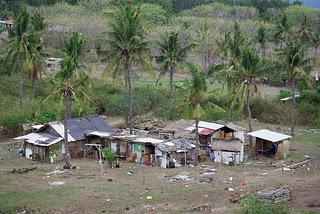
(226, 145)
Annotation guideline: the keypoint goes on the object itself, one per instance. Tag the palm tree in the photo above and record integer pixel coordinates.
(282, 29)
(235, 43)
(197, 92)
(69, 78)
(316, 43)
(294, 61)
(305, 31)
(17, 49)
(242, 84)
(36, 61)
(127, 47)
(171, 54)
(261, 37)
(223, 47)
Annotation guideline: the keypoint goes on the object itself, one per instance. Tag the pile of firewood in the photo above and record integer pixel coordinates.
(274, 195)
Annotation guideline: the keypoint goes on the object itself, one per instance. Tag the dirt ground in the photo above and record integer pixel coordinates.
(126, 189)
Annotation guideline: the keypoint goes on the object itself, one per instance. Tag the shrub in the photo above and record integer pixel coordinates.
(109, 156)
(284, 94)
(251, 205)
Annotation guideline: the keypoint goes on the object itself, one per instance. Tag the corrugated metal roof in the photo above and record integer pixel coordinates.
(59, 128)
(97, 133)
(206, 132)
(79, 127)
(147, 140)
(175, 145)
(209, 125)
(269, 135)
(40, 139)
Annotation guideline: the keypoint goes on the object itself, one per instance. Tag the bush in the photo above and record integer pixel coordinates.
(251, 205)
(109, 156)
(284, 94)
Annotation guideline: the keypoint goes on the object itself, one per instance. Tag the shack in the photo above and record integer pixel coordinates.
(270, 143)
(46, 141)
(175, 152)
(219, 130)
(227, 151)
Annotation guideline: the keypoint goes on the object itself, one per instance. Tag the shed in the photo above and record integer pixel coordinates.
(271, 143)
(174, 152)
(82, 130)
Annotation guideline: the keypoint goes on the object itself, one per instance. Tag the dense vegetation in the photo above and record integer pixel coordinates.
(237, 46)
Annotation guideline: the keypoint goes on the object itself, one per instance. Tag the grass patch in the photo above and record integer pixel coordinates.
(51, 197)
(307, 138)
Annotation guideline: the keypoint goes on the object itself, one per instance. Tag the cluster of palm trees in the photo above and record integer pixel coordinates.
(23, 49)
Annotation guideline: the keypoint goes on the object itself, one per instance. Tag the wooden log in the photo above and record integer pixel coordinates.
(23, 170)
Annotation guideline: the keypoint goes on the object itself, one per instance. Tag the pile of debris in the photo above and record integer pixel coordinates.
(274, 195)
(184, 176)
(305, 161)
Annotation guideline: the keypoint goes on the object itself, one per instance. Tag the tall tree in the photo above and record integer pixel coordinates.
(293, 55)
(316, 43)
(17, 52)
(171, 53)
(36, 61)
(305, 31)
(261, 37)
(198, 89)
(70, 77)
(282, 29)
(127, 47)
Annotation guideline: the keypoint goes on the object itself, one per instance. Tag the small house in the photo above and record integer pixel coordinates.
(46, 141)
(174, 152)
(270, 143)
(227, 151)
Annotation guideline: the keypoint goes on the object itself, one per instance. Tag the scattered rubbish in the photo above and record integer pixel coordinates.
(23, 170)
(205, 178)
(230, 189)
(218, 210)
(127, 208)
(235, 198)
(181, 177)
(109, 179)
(56, 183)
(203, 208)
(186, 186)
(230, 179)
(264, 174)
(149, 197)
(108, 199)
(130, 173)
(152, 209)
(293, 166)
(274, 195)
(56, 172)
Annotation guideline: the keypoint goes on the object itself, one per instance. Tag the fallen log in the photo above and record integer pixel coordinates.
(23, 170)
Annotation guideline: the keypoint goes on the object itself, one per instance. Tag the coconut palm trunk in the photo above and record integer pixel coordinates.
(33, 89)
(248, 107)
(171, 70)
(293, 106)
(130, 100)
(196, 152)
(21, 81)
(65, 151)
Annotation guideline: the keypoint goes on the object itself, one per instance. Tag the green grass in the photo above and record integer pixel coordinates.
(45, 198)
(307, 139)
